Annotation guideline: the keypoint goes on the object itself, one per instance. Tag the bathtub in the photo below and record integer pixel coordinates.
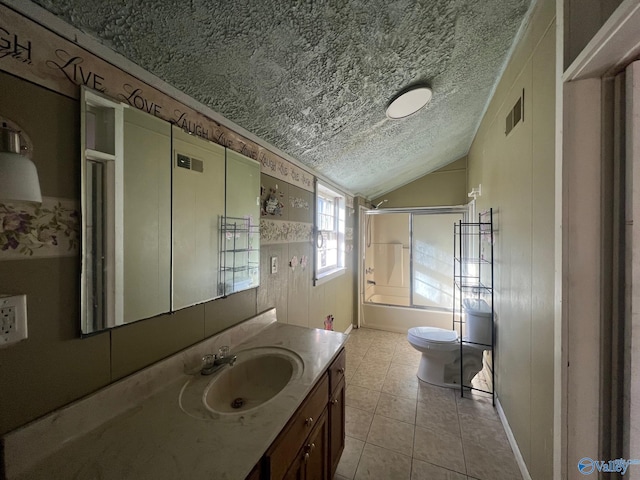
(395, 318)
(389, 300)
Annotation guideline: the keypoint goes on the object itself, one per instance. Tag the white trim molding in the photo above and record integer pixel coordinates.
(512, 441)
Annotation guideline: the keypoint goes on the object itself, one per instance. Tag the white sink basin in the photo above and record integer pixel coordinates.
(257, 376)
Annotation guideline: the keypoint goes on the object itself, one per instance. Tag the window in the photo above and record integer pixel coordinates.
(329, 261)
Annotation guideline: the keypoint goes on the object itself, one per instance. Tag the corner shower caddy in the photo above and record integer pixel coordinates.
(473, 279)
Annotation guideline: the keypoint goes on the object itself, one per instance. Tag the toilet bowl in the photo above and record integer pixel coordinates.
(441, 354)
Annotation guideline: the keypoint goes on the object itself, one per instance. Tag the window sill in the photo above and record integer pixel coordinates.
(329, 275)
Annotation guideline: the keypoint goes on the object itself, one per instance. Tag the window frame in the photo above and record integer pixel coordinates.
(337, 268)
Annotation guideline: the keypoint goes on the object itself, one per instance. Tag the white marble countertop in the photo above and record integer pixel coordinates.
(156, 439)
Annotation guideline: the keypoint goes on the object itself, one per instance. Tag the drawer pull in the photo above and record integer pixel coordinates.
(309, 421)
(341, 370)
(334, 401)
(308, 449)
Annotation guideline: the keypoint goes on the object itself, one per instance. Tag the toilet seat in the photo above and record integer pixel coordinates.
(432, 337)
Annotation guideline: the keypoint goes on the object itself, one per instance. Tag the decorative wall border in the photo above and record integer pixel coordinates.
(29, 231)
(34, 53)
(282, 231)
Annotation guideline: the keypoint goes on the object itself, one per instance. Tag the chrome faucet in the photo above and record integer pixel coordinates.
(212, 363)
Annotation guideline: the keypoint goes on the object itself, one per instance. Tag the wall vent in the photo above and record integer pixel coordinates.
(193, 164)
(515, 116)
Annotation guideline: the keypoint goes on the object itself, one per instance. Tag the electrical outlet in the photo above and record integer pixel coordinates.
(274, 265)
(13, 319)
(8, 319)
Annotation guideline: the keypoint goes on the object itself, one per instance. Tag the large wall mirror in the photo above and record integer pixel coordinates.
(169, 219)
(240, 227)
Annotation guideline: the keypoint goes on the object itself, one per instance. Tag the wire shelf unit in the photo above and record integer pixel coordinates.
(473, 279)
(240, 254)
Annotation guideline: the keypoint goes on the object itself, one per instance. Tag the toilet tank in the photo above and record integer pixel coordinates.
(478, 326)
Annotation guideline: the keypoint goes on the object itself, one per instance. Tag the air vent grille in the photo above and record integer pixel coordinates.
(193, 164)
(515, 116)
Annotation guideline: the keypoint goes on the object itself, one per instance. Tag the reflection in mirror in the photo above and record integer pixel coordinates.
(147, 216)
(198, 205)
(155, 235)
(240, 269)
(126, 214)
(101, 143)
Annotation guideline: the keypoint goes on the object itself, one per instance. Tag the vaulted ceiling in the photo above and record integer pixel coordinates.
(313, 77)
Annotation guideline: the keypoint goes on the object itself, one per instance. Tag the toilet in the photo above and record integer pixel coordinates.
(441, 352)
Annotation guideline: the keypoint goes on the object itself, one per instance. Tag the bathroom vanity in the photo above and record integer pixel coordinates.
(157, 423)
(310, 445)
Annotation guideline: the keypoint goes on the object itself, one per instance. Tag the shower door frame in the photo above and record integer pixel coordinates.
(411, 211)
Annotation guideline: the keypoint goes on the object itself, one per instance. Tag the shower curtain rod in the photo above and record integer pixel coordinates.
(445, 209)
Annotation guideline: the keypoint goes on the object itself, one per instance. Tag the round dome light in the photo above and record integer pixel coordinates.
(409, 101)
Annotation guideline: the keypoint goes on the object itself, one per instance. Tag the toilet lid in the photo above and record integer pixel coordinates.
(433, 334)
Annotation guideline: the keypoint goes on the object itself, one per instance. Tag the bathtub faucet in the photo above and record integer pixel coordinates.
(370, 282)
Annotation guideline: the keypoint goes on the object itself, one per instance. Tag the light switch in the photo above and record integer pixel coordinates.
(274, 265)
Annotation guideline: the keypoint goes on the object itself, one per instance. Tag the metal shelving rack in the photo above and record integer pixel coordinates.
(473, 278)
(239, 258)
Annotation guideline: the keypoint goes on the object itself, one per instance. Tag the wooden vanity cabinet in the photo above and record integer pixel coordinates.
(311, 461)
(255, 473)
(336, 411)
(284, 451)
(336, 370)
(310, 445)
(336, 427)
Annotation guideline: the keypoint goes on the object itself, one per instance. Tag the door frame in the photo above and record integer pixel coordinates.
(581, 106)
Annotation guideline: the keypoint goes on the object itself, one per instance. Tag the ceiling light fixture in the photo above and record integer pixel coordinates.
(18, 174)
(409, 101)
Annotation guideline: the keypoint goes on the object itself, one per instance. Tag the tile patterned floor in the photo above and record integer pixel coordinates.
(399, 428)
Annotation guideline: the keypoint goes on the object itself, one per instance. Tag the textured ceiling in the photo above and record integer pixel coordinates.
(313, 77)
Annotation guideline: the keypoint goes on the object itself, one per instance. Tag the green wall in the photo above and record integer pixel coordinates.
(517, 176)
(444, 187)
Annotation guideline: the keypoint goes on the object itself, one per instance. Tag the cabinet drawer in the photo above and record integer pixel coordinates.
(311, 461)
(336, 370)
(282, 453)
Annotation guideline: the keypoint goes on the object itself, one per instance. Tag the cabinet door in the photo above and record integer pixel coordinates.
(283, 453)
(336, 370)
(311, 461)
(336, 426)
(316, 451)
(296, 471)
(255, 473)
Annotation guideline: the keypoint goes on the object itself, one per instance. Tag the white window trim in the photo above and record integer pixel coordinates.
(329, 274)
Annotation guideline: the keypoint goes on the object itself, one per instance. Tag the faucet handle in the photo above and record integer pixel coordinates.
(207, 360)
(223, 351)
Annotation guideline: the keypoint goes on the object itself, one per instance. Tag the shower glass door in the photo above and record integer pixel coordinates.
(432, 259)
(408, 257)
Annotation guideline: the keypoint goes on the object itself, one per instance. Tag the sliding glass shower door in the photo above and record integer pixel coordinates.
(432, 259)
(409, 257)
